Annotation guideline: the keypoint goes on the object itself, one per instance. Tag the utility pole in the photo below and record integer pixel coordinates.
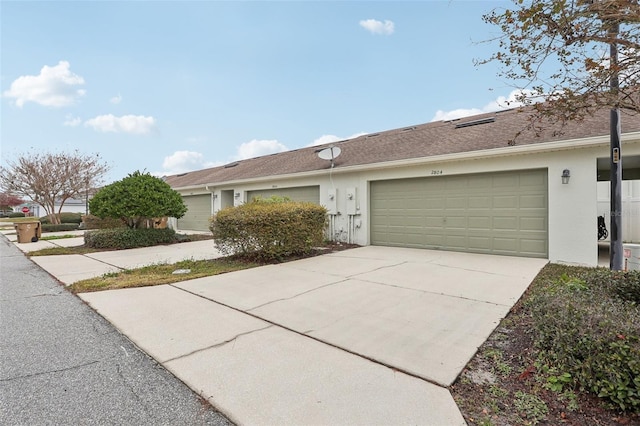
(616, 259)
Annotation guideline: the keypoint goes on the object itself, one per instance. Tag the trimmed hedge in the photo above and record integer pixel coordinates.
(269, 229)
(94, 222)
(126, 238)
(16, 214)
(64, 218)
(588, 325)
(48, 227)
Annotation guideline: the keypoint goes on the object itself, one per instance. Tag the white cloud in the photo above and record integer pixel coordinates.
(378, 27)
(135, 124)
(257, 148)
(72, 121)
(185, 161)
(116, 99)
(324, 139)
(501, 102)
(55, 86)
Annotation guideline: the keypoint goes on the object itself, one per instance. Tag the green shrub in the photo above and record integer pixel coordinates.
(64, 218)
(269, 230)
(627, 286)
(16, 214)
(48, 227)
(588, 328)
(136, 199)
(126, 238)
(94, 222)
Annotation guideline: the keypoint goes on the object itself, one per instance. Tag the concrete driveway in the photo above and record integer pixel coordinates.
(372, 335)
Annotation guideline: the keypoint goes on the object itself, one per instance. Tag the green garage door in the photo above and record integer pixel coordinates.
(198, 213)
(301, 193)
(497, 213)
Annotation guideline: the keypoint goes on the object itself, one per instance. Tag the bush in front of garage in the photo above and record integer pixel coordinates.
(94, 222)
(49, 227)
(64, 218)
(126, 238)
(270, 229)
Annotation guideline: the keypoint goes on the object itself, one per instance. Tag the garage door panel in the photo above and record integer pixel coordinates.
(502, 222)
(502, 181)
(534, 223)
(456, 242)
(456, 202)
(532, 246)
(532, 180)
(479, 243)
(459, 222)
(501, 213)
(506, 201)
(479, 202)
(479, 222)
(505, 245)
(537, 201)
(198, 213)
(479, 182)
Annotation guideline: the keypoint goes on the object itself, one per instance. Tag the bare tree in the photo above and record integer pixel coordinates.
(52, 178)
(578, 56)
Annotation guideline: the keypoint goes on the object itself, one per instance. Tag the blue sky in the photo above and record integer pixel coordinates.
(169, 87)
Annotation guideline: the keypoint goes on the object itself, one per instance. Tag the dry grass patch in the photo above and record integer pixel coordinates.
(55, 251)
(160, 274)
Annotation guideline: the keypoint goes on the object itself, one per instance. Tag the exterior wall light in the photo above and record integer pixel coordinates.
(566, 175)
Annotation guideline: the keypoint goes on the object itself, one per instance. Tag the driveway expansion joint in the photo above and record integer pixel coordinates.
(103, 262)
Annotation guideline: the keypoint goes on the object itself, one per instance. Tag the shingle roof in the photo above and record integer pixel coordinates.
(436, 138)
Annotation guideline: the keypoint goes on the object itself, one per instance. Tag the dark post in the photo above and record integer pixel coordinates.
(616, 250)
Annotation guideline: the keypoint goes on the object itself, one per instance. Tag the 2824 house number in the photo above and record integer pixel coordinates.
(436, 172)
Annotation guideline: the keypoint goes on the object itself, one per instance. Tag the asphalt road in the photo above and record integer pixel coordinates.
(62, 363)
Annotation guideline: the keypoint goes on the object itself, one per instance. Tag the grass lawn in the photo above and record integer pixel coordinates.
(161, 274)
(55, 251)
(59, 237)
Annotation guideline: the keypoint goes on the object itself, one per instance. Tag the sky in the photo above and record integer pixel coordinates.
(168, 87)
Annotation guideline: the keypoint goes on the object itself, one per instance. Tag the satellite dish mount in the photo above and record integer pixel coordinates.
(330, 153)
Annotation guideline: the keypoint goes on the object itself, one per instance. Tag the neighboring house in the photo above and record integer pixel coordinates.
(451, 185)
(71, 205)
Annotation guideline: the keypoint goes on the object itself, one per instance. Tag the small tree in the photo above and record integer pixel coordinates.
(49, 179)
(137, 198)
(558, 51)
(8, 201)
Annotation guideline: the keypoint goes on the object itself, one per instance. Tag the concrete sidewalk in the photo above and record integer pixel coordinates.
(365, 336)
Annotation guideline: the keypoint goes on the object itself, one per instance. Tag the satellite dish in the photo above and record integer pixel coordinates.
(330, 153)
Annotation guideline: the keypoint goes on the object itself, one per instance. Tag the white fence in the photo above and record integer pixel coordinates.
(630, 208)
